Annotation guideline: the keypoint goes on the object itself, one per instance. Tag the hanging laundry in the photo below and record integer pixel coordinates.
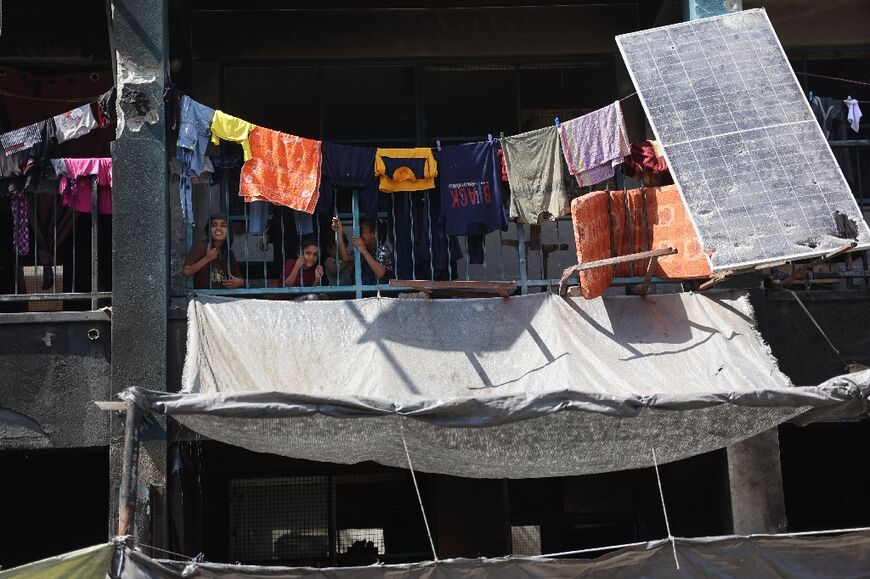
(285, 170)
(194, 132)
(646, 163)
(832, 116)
(594, 144)
(223, 164)
(471, 197)
(348, 167)
(258, 216)
(75, 183)
(230, 128)
(20, 221)
(105, 107)
(21, 139)
(405, 169)
(206, 176)
(854, 114)
(502, 166)
(539, 181)
(75, 123)
(304, 223)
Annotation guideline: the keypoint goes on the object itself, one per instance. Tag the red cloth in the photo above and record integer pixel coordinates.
(503, 166)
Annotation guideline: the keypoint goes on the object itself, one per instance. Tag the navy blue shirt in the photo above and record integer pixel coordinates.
(348, 167)
(471, 198)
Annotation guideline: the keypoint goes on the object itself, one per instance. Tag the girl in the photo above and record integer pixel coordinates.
(304, 271)
(207, 260)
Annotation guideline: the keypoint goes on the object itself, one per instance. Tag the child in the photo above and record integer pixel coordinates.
(207, 260)
(331, 267)
(304, 271)
(377, 259)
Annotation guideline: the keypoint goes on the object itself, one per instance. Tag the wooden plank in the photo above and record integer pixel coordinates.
(112, 406)
(802, 270)
(715, 280)
(642, 289)
(611, 261)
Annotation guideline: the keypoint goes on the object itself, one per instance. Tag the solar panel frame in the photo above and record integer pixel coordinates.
(744, 147)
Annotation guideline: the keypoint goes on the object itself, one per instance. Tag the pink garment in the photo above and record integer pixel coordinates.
(75, 184)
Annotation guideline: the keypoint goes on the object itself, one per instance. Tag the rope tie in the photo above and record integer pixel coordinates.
(665, 510)
(416, 487)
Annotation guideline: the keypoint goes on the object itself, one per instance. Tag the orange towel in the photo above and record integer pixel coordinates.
(667, 225)
(285, 170)
(592, 237)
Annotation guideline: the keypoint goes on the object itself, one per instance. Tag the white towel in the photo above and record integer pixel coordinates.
(854, 114)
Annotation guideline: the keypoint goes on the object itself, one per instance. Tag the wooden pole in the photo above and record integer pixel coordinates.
(129, 471)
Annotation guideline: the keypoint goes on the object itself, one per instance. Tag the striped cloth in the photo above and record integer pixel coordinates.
(594, 144)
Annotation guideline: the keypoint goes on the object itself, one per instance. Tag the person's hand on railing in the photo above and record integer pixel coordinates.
(233, 283)
(337, 226)
(318, 273)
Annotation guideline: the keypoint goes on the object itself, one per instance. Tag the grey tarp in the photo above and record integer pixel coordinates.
(759, 557)
(530, 386)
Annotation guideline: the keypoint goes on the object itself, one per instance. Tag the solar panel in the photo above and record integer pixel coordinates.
(743, 146)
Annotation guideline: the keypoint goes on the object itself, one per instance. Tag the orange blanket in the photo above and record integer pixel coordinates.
(667, 225)
(285, 170)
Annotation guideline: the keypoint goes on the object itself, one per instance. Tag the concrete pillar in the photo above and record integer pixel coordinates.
(755, 482)
(140, 225)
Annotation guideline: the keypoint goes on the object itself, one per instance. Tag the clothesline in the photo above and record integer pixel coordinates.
(859, 82)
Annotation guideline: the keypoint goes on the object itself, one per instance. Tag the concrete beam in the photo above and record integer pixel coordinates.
(755, 481)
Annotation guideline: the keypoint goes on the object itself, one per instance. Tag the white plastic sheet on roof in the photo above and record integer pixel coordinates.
(530, 386)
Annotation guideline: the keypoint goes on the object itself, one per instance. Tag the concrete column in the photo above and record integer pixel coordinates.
(755, 481)
(140, 225)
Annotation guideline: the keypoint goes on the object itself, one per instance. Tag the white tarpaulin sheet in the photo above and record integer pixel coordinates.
(530, 386)
(759, 557)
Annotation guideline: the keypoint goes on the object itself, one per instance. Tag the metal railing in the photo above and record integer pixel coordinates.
(53, 260)
(532, 256)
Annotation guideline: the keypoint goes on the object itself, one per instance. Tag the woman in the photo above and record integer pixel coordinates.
(207, 260)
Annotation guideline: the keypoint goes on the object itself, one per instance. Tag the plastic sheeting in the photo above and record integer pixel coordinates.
(85, 563)
(531, 386)
(760, 557)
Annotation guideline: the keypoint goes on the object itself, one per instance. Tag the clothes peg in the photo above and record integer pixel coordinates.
(489, 138)
(557, 122)
(438, 144)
